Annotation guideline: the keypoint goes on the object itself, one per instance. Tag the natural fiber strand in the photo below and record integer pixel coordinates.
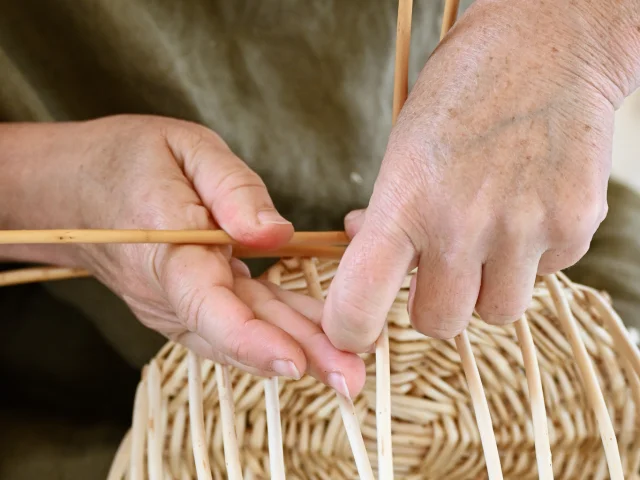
(231, 450)
(480, 406)
(272, 403)
(196, 419)
(154, 423)
(536, 399)
(119, 465)
(138, 435)
(383, 363)
(449, 16)
(198, 237)
(594, 393)
(347, 408)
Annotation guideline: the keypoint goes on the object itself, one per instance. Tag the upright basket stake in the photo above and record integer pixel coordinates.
(272, 405)
(480, 407)
(383, 361)
(196, 418)
(383, 406)
(229, 438)
(588, 374)
(449, 16)
(154, 422)
(625, 346)
(347, 409)
(139, 431)
(536, 399)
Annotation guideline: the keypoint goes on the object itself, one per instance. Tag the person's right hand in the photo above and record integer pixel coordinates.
(135, 172)
(496, 170)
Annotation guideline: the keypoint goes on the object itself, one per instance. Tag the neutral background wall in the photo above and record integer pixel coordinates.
(626, 143)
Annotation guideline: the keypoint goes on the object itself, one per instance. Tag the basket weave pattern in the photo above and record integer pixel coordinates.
(435, 434)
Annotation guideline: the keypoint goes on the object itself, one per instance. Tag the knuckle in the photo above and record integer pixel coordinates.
(237, 177)
(500, 317)
(555, 260)
(504, 306)
(573, 255)
(603, 212)
(576, 222)
(235, 343)
(439, 326)
(356, 317)
(195, 138)
(357, 328)
(189, 308)
(523, 224)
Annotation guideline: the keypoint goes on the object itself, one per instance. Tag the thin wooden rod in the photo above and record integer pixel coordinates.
(383, 360)
(480, 407)
(403, 41)
(347, 408)
(307, 251)
(449, 16)
(204, 237)
(614, 324)
(227, 413)
(45, 274)
(272, 406)
(121, 460)
(155, 462)
(40, 274)
(536, 400)
(274, 429)
(139, 431)
(383, 406)
(589, 378)
(196, 418)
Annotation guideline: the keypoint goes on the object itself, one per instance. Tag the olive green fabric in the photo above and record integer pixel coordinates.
(66, 396)
(300, 89)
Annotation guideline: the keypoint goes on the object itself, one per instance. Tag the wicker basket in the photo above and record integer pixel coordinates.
(435, 434)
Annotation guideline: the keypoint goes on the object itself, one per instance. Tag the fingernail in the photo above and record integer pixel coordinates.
(240, 268)
(271, 217)
(226, 250)
(339, 384)
(285, 368)
(354, 214)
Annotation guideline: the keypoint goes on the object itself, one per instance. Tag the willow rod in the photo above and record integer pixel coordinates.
(383, 356)
(47, 274)
(204, 237)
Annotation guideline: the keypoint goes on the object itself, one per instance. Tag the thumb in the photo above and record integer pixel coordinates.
(366, 284)
(235, 195)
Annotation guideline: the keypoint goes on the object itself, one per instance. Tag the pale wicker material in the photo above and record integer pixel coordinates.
(424, 410)
(435, 433)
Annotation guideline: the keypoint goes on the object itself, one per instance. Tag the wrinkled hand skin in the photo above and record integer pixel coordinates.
(495, 171)
(140, 172)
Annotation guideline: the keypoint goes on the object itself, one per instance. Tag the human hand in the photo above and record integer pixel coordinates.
(138, 172)
(495, 171)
